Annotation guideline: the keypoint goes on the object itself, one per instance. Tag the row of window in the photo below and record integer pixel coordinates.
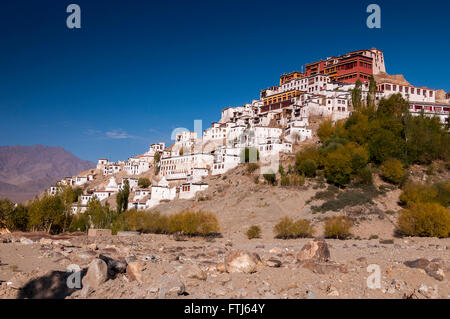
(406, 89)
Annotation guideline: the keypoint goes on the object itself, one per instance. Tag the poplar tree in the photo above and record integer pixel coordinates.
(372, 92)
(357, 95)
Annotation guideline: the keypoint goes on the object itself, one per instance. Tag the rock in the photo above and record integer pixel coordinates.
(399, 284)
(64, 243)
(272, 262)
(428, 292)
(87, 254)
(171, 285)
(114, 266)
(332, 291)
(434, 268)
(134, 271)
(324, 268)
(195, 272)
(241, 261)
(97, 274)
(316, 250)
(26, 241)
(421, 263)
(46, 241)
(99, 232)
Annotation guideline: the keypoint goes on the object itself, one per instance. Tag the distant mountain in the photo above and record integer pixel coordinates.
(26, 171)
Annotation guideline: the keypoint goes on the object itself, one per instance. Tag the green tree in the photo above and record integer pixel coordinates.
(392, 170)
(426, 140)
(6, 208)
(371, 95)
(156, 160)
(326, 130)
(144, 182)
(18, 219)
(357, 95)
(48, 214)
(122, 197)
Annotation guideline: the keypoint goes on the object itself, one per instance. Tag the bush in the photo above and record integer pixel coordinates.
(271, 179)
(308, 153)
(392, 171)
(308, 167)
(338, 227)
(292, 180)
(350, 197)
(303, 228)
(254, 232)
(424, 220)
(417, 193)
(365, 176)
(326, 130)
(251, 167)
(287, 228)
(193, 223)
(144, 182)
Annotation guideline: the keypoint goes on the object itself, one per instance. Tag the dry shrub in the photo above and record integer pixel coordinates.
(254, 232)
(425, 193)
(292, 180)
(424, 220)
(303, 228)
(287, 228)
(338, 227)
(193, 223)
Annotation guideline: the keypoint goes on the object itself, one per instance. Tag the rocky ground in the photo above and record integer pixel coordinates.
(160, 266)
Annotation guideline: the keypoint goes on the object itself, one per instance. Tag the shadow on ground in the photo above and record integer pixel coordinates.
(51, 286)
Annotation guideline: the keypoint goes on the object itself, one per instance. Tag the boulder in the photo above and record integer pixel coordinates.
(134, 271)
(324, 268)
(315, 250)
(114, 266)
(97, 274)
(242, 261)
(434, 268)
(170, 285)
(86, 254)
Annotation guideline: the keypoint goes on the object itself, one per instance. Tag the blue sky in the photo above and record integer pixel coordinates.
(138, 69)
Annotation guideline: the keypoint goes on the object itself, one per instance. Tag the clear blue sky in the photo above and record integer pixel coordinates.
(138, 69)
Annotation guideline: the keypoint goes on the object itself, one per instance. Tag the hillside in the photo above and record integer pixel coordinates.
(26, 171)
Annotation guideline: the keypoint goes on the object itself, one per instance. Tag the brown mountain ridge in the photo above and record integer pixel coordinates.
(25, 171)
